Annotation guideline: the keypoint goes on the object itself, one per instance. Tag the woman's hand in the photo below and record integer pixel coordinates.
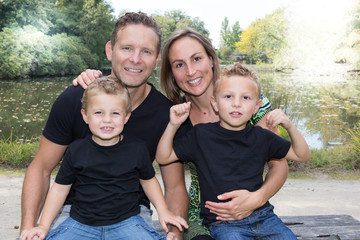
(87, 77)
(242, 203)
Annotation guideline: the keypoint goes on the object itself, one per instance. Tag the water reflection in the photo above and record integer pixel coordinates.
(323, 107)
(25, 105)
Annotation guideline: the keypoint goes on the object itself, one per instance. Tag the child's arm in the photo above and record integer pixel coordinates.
(153, 191)
(299, 150)
(178, 114)
(54, 201)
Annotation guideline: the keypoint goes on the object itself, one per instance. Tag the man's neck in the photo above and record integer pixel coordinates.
(138, 95)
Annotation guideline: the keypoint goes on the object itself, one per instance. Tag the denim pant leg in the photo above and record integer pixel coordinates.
(271, 227)
(235, 230)
(146, 214)
(133, 228)
(262, 224)
(73, 230)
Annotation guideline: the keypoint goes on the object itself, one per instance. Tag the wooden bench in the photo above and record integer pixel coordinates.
(317, 227)
(324, 227)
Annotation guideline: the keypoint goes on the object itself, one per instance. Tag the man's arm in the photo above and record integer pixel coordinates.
(37, 181)
(54, 201)
(87, 77)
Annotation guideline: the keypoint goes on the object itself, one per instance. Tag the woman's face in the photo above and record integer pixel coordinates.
(191, 66)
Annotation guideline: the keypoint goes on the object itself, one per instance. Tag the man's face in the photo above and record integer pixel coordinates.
(134, 55)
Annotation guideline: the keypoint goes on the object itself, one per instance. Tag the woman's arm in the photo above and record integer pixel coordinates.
(153, 191)
(176, 196)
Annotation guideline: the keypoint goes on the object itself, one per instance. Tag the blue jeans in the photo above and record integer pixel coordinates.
(133, 228)
(261, 224)
(64, 213)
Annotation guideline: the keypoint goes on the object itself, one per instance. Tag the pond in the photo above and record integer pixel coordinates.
(323, 107)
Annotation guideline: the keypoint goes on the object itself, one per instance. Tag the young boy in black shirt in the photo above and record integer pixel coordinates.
(103, 171)
(231, 154)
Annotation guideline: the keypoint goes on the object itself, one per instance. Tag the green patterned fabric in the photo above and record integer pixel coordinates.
(194, 220)
(264, 109)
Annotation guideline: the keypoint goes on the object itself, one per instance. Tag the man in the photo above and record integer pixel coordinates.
(134, 50)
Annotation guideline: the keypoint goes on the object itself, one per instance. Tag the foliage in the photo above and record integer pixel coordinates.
(264, 39)
(29, 52)
(91, 20)
(17, 154)
(20, 13)
(176, 19)
(229, 37)
(355, 145)
(53, 37)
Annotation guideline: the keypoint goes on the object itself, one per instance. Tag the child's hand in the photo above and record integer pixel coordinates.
(35, 233)
(179, 113)
(277, 117)
(170, 218)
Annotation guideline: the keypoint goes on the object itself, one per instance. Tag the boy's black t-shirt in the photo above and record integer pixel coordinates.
(228, 160)
(147, 122)
(105, 179)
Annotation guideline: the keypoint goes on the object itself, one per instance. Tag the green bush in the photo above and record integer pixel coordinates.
(29, 52)
(354, 160)
(14, 153)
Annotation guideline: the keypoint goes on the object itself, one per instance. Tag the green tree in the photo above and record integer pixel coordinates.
(265, 38)
(225, 33)
(229, 35)
(29, 52)
(19, 13)
(96, 26)
(235, 35)
(176, 19)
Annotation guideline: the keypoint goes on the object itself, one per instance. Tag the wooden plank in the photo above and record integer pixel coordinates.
(324, 227)
(320, 220)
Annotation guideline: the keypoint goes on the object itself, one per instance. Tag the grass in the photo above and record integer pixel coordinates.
(17, 154)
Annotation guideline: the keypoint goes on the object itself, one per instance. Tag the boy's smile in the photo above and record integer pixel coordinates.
(106, 117)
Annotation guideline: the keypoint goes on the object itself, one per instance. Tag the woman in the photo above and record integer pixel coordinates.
(189, 67)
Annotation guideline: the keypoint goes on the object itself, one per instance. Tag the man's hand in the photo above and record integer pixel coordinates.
(87, 77)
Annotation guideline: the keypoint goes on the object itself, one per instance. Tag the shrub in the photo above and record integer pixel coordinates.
(14, 153)
(29, 52)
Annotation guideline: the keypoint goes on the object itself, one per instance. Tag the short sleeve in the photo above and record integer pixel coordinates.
(66, 174)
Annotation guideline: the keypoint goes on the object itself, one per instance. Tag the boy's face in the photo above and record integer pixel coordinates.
(134, 55)
(106, 118)
(236, 101)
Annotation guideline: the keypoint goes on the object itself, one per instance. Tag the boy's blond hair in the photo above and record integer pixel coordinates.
(106, 85)
(237, 69)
